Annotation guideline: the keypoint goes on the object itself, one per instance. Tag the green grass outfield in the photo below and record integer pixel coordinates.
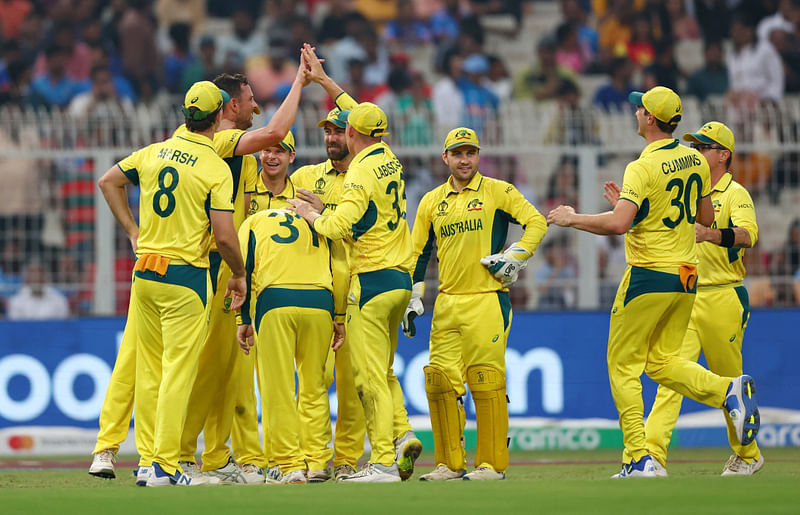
(538, 482)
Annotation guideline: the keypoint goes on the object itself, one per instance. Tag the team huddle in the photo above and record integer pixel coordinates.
(316, 272)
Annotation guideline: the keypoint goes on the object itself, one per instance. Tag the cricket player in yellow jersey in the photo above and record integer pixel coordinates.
(290, 303)
(406, 444)
(321, 185)
(273, 186)
(467, 217)
(721, 308)
(184, 185)
(664, 193)
(372, 214)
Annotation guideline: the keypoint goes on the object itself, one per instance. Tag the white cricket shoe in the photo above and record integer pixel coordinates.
(643, 468)
(484, 473)
(192, 471)
(103, 464)
(142, 473)
(230, 474)
(295, 477)
(661, 470)
(342, 472)
(375, 473)
(318, 476)
(407, 449)
(742, 407)
(736, 466)
(442, 473)
(253, 475)
(273, 475)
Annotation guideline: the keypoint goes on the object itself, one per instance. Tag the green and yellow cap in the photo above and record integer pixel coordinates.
(288, 142)
(461, 136)
(335, 117)
(206, 97)
(661, 102)
(713, 132)
(368, 119)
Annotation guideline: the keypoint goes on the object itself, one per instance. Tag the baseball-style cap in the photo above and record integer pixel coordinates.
(461, 136)
(288, 142)
(661, 102)
(206, 97)
(335, 117)
(713, 132)
(368, 119)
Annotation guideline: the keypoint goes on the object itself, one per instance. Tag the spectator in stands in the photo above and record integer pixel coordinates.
(664, 70)
(37, 300)
(787, 44)
(31, 36)
(712, 78)
(786, 18)
(79, 55)
(300, 31)
(785, 264)
(279, 15)
(755, 69)
(479, 101)
(358, 87)
(406, 30)
(416, 111)
(498, 79)
(683, 25)
(205, 67)
(102, 103)
(446, 22)
(377, 62)
(640, 47)
(614, 95)
(233, 50)
(398, 82)
(189, 12)
(12, 17)
(54, 87)
(485, 7)
(347, 48)
(615, 29)
(575, 14)
(542, 81)
(333, 26)
(448, 103)
(16, 92)
(137, 40)
(714, 18)
(179, 58)
(562, 185)
(275, 71)
(11, 52)
(573, 124)
(556, 277)
(570, 54)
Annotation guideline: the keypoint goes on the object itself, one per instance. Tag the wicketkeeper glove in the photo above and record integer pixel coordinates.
(414, 309)
(507, 266)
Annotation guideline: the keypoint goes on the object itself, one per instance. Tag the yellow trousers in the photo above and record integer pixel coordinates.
(244, 430)
(348, 442)
(375, 308)
(115, 415)
(171, 324)
(290, 337)
(716, 327)
(648, 322)
(213, 399)
(469, 330)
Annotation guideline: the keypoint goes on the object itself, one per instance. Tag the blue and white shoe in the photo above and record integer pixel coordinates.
(158, 477)
(643, 468)
(142, 473)
(742, 407)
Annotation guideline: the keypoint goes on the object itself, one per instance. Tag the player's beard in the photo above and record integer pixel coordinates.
(337, 152)
(245, 122)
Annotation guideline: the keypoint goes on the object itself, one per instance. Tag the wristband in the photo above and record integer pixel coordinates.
(728, 238)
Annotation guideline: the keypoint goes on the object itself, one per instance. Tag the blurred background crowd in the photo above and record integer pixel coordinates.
(431, 64)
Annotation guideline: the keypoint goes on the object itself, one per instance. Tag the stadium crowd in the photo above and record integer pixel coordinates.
(427, 63)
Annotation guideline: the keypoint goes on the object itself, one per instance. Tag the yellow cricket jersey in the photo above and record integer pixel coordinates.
(467, 226)
(261, 198)
(345, 102)
(666, 183)
(372, 212)
(733, 207)
(244, 170)
(180, 179)
(280, 249)
(323, 180)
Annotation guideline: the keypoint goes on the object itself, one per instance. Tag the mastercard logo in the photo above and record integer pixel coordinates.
(20, 442)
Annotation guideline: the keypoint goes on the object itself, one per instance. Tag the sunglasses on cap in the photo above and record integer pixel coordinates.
(705, 146)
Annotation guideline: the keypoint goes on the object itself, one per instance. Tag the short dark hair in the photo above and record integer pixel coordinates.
(664, 126)
(200, 125)
(232, 84)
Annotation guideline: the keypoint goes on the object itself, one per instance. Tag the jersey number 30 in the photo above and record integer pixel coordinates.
(683, 199)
